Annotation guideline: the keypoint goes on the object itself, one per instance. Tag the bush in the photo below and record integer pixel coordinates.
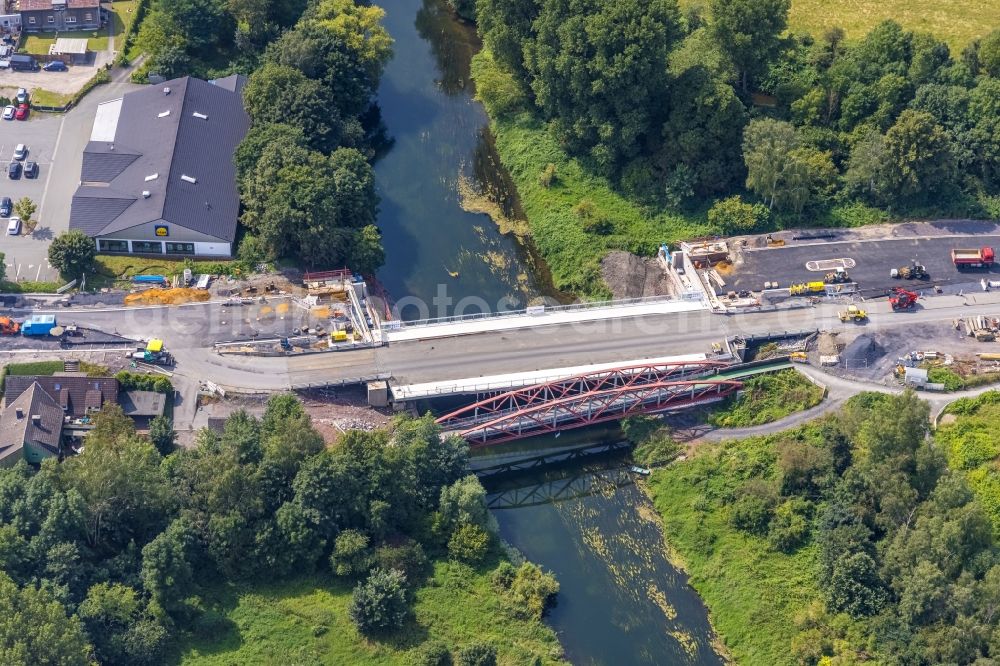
(751, 512)
(134, 381)
(379, 604)
(790, 525)
(548, 175)
(532, 590)
(469, 543)
(351, 556)
(408, 558)
(477, 654)
(433, 653)
(503, 576)
(734, 216)
(496, 87)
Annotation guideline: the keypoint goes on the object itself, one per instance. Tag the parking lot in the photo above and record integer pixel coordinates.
(873, 259)
(26, 256)
(56, 142)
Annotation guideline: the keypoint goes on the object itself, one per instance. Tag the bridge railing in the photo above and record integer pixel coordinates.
(535, 310)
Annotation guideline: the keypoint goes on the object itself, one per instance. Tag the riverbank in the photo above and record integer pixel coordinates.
(754, 594)
(575, 217)
(306, 621)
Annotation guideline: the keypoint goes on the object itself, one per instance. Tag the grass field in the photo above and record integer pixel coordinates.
(754, 593)
(957, 22)
(767, 398)
(306, 622)
(41, 97)
(114, 268)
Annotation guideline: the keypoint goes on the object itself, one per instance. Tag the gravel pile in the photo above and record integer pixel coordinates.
(862, 353)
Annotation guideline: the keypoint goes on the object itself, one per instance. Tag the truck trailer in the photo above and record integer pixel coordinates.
(973, 258)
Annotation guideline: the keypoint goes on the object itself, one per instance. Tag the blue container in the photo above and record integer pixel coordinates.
(38, 325)
(147, 279)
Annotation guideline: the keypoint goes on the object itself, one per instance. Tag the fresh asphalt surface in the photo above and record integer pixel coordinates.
(874, 259)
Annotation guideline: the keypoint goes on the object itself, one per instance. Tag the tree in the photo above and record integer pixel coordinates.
(199, 21)
(117, 622)
(855, 587)
(734, 216)
(351, 555)
(24, 208)
(464, 503)
(36, 628)
(167, 573)
(703, 131)
(766, 146)
(867, 171)
(306, 103)
(367, 253)
(506, 28)
(360, 27)
(599, 73)
(260, 136)
(989, 53)
(162, 435)
(749, 33)
(305, 204)
(72, 254)
(379, 604)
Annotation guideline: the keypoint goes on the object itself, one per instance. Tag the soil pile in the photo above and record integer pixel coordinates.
(167, 296)
(630, 276)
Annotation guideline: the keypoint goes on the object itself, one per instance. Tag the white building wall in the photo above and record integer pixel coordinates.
(213, 249)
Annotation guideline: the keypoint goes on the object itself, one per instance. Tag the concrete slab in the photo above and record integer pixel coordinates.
(500, 323)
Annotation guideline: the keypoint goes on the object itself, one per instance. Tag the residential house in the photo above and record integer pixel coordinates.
(59, 15)
(78, 395)
(30, 427)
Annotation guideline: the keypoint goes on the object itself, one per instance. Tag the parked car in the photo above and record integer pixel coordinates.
(6, 205)
(22, 96)
(14, 170)
(55, 66)
(14, 226)
(20, 151)
(31, 169)
(22, 112)
(8, 112)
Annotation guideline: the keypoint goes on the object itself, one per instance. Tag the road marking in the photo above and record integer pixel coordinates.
(48, 172)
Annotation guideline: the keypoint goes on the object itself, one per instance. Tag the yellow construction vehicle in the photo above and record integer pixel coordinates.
(852, 313)
(816, 286)
(838, 276)
(796, 289)
(798, 357)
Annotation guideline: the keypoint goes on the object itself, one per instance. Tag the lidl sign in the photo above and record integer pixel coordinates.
(161, 230)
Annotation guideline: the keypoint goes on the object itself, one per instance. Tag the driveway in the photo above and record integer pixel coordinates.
(56, 142)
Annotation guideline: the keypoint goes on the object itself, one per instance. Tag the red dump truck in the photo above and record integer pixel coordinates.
(981, 258)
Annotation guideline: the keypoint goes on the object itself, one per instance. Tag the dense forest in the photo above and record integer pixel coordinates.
(306, 184)
(846, 541)
(628, 123)
(103, 556)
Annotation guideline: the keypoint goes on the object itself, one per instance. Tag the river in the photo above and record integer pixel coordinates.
(442, 259)
(621, 602)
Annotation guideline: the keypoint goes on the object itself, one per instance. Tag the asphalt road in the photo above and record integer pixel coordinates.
(874, 260)
(190, 330)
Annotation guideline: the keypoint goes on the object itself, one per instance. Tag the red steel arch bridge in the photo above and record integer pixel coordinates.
(575, 402)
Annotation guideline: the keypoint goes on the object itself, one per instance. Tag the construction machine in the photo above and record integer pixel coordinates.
(903, 299)
(914, 271)
(153, 352)
(9, 327)
(798, 357)
(852, 313)
(838, 276)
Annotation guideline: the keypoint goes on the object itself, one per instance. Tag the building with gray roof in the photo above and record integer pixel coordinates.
(158, 174)
(30, 427)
